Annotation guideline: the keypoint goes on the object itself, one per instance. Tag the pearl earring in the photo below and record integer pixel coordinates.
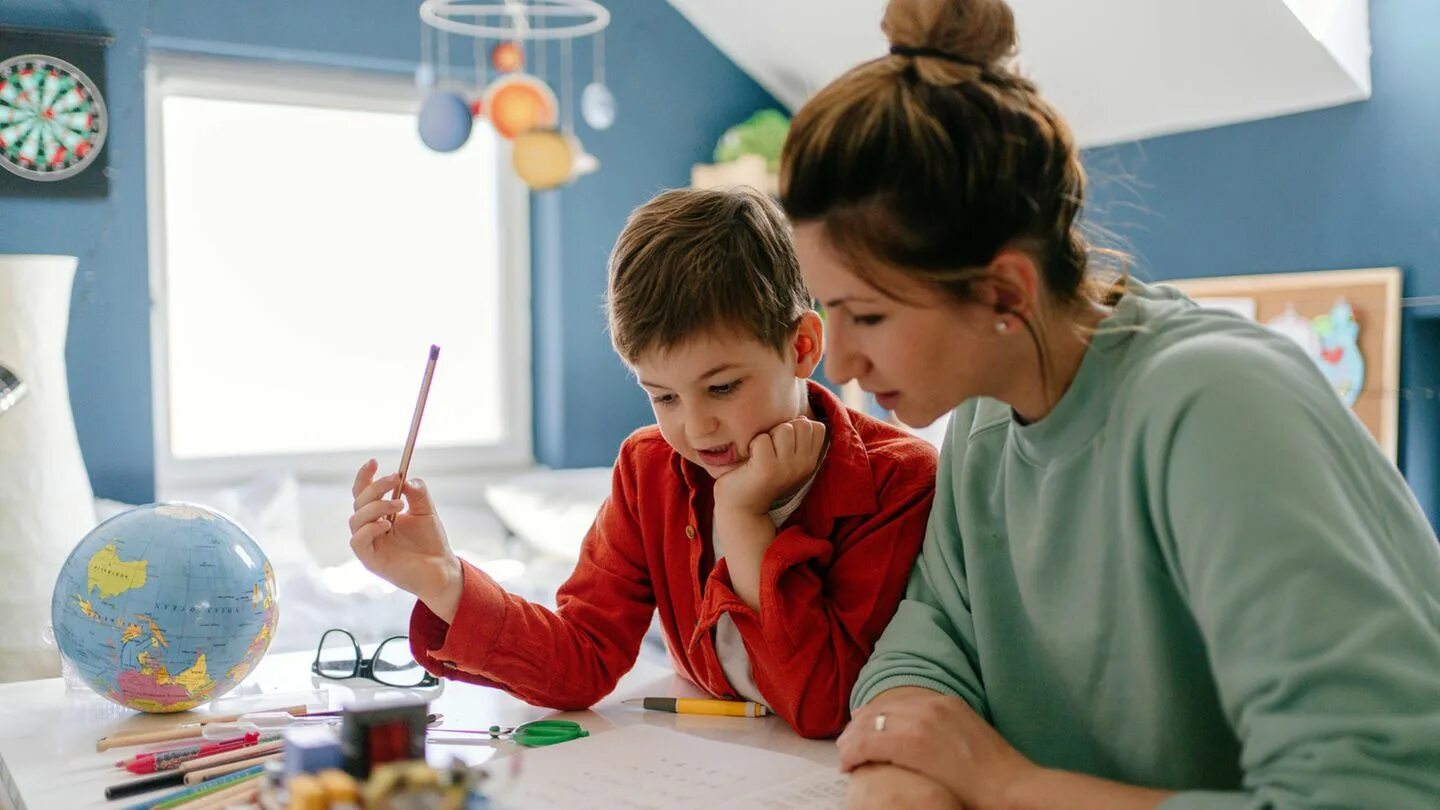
(1002, 327)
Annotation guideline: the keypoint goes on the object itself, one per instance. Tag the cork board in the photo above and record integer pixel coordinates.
(1373, 299)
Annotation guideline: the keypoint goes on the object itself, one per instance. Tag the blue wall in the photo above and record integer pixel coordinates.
(676, 93)
(1353, 186)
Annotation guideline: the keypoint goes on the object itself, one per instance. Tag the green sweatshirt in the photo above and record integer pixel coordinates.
(1197, 573)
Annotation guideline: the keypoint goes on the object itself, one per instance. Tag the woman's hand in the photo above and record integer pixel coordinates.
(405, 547)
(939, 737)
(888, 786)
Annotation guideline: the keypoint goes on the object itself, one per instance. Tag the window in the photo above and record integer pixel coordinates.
(306, 250)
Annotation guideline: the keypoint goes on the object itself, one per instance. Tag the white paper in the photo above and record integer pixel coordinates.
(1244, 307)
(652, 768)
(823, 788)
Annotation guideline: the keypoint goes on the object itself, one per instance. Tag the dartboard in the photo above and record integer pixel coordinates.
(52, 118)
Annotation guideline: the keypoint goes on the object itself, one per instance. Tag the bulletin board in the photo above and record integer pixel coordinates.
(1354, 330)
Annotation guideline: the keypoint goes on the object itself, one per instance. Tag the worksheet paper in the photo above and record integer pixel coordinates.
(651, 768)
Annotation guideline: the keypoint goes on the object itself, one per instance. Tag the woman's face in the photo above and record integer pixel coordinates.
(920, 357)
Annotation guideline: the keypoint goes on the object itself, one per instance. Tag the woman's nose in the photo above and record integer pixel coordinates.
(842, 364)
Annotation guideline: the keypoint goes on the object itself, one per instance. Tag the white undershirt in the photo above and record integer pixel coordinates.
(729, 646)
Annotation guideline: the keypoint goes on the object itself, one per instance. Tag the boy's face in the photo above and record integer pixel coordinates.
(717, 391)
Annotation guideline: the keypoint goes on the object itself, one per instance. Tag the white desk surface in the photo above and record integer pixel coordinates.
(47, 734)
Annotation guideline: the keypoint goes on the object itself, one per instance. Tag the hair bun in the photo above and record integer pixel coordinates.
(977, 31)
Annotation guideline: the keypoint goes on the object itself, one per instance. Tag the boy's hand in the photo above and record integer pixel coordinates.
(780, 461)
(406, 548)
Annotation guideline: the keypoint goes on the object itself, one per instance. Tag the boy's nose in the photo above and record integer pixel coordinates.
(702, 425)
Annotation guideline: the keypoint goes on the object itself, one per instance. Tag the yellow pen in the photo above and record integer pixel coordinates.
(725, 708)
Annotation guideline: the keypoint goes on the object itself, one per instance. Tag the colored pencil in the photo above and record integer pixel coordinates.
(183, 732)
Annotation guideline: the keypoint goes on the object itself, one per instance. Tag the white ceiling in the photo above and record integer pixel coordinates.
(1119, 70)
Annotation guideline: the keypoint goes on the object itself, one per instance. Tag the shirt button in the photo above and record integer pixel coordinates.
(690, 532)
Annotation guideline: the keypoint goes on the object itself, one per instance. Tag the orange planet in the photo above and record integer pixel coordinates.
(517, 103)
(507, 57)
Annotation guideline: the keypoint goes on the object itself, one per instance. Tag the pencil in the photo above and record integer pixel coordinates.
(204, 774)
(239, 794)
(415, 419)
(179, 776)
(214, 785)
(249, 752)
(724, 708)
(209, 790)
(184, 732)
(175, 757)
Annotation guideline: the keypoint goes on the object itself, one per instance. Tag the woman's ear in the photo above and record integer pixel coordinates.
(1012, 285)
(808, 343)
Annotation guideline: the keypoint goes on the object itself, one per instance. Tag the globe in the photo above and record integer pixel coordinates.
(164, 607)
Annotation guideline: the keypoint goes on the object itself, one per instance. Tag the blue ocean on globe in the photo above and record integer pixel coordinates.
(165, 606)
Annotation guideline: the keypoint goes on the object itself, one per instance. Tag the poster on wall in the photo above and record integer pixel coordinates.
(53, 119)
(1346, 321)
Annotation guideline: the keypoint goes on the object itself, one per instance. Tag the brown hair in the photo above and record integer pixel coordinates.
(932, 159)
(689, 261)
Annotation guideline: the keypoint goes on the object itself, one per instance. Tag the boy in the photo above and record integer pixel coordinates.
(773, 528)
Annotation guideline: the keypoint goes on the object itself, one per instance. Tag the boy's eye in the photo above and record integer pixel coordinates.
(866, 320)
(724, 390)
(663, 399)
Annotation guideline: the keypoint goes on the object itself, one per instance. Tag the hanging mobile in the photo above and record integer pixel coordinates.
(597, 103)
(445, 118)
(520, 105)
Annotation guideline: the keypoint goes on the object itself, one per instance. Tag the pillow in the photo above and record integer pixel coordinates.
(268, 508)
(325, 511)
(551, 510)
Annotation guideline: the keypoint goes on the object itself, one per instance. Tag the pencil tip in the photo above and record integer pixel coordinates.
(434, 351)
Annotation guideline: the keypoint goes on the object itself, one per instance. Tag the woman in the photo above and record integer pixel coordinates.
(1165, 565)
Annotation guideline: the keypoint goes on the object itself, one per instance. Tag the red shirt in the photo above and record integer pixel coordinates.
(829, 583)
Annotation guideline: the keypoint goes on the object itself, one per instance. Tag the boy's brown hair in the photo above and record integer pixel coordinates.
(691, 261)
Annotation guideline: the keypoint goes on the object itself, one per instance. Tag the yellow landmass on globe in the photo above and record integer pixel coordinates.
(113, 576)
(131, 633)
(195, 679)
(156, 707)
(86, 608)
(155, 632)
(238, 672)
(261, 641)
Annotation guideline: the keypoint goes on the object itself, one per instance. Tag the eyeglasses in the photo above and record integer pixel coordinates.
(338, 657)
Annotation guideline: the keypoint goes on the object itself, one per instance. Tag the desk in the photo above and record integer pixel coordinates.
(47, 734)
